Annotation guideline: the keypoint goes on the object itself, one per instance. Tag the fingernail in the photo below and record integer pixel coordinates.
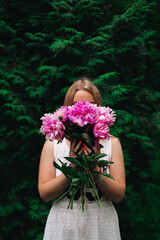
(83, 148)
(80, 142)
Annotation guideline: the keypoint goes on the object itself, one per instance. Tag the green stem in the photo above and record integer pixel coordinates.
(75, 189)
(91, 180)
(82, 196)
(82, 190)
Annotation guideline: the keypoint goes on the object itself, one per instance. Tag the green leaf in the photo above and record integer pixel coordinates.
(75, 161)
(74, 180)
(101, 163)
(69, 172)
(104, 174)
(100, 177)
(101, 155)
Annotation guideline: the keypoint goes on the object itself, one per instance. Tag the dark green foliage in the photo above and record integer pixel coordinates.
(44, 46)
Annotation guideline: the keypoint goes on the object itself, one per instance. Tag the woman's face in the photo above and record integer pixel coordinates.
(83, 95)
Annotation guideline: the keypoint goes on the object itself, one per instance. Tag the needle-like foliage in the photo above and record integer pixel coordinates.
(46, 45)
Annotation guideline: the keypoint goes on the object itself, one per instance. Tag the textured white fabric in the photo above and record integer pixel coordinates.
(94, 223)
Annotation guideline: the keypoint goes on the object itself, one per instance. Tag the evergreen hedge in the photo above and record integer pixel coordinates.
(46, 45)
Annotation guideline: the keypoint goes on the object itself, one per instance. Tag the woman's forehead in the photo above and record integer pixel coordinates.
(83, 95)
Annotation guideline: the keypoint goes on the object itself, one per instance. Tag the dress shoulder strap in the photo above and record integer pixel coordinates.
(61, 150)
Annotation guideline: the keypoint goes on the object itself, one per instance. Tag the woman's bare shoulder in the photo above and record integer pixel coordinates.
(48, 148)
(116, 144)
(115, 140)
(48, 144)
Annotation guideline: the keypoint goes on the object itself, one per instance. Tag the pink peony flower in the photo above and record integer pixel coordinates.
(52, 127)
(106, 115)
(99, 119)
(101, 130)
(83, 113)
(62, 113)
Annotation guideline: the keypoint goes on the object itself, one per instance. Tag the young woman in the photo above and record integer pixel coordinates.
(94, 222)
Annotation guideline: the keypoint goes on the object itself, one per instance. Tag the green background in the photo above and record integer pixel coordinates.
(44, 47)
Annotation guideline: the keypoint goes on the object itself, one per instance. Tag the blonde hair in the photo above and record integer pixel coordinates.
(82, 84)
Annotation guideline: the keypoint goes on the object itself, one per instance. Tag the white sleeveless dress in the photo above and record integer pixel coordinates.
(94, 223)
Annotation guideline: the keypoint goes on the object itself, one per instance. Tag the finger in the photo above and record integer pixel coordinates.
(75, 148)
(73, 143)
(96, 148)
(78, 146)
(72, 147)
(86, 154)
(88, 151)
(80, 152)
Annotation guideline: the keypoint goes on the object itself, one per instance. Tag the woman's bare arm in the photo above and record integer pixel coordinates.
(50, 186)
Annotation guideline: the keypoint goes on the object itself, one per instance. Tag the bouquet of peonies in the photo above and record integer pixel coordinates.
(87, 123)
